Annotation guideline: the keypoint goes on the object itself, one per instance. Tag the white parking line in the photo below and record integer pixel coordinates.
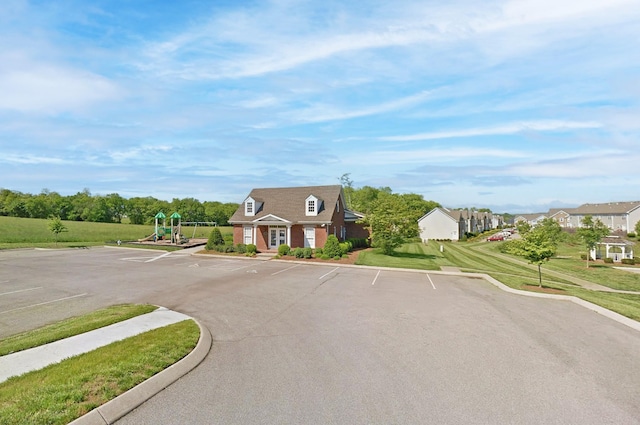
(44, 303)
(429, 277)
(20, 290)
(281, 271)
(158, 257)
(327, 274)
(375, 278)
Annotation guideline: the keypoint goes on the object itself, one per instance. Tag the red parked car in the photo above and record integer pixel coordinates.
(497, 237)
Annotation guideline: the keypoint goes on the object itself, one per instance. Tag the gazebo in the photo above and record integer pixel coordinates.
(614, 247)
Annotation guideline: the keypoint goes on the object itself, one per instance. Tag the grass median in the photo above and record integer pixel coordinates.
(60, 393)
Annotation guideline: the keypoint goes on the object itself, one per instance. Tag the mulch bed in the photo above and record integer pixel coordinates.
(536, 288)
(352, 257)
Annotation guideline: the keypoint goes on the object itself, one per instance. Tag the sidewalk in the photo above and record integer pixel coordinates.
(36, 358)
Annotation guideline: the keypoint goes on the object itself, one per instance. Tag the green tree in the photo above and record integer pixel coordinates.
(391, 222)
(56, 226)
(539, 243)
(215, 239)
(637, 229)
(591, 232)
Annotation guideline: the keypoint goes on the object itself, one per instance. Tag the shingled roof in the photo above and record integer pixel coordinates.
(602, 209)
(288, 203)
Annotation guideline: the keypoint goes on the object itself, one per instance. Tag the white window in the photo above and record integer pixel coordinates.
(250, 207)
(312, 205)
(247, 235)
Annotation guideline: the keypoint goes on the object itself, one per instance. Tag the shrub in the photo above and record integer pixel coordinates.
(608, 260)
(284, 249)
(325, 257)
(298, 253)
(345, 247)
(332, 247)
(631, 235)
(318, 251)
(358, 242)
(251, 249)
(215, 238)
(629, 261)
(583, 256)
(228, 239)
(241, 248)
(307, 252)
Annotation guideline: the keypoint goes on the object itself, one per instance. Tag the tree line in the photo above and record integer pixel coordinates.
(111, 208)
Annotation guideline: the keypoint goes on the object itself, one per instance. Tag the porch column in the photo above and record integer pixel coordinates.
(289, 234)
(254, 236)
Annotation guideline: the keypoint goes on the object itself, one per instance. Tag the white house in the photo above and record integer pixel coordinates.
(442, 224)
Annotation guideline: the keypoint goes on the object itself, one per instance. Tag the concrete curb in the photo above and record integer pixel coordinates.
(115, 409)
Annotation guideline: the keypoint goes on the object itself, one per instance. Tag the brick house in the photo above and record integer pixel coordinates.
(296, 216)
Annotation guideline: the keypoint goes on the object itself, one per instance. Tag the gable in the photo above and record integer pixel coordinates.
(292, 204)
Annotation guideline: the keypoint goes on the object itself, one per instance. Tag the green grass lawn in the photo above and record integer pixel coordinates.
(73, 326)
(32, 232)
(65, 391)
(411, 256)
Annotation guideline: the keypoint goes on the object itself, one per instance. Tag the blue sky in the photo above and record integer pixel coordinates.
(513, 105)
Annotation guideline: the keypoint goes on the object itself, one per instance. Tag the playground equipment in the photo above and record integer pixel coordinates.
(175, 236)
(195, 225)
(160, 215)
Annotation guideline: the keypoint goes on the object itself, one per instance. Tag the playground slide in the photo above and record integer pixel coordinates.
(148, 238)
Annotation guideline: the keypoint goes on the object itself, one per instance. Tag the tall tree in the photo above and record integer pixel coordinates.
(591, 232)
(347, 187)
(391, 222)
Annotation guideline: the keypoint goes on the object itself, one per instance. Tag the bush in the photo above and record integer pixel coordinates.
(324, 257)
(629, 261)
(583, 256)
(251, 249)
(215, 238)
(345, 247)
(332, 247)
(631, 235)
(608, 260)
(284, 249)
(298, 253)
(241, 248)
(358, 242)
(307, 252)
(228, 239)
(318, 251)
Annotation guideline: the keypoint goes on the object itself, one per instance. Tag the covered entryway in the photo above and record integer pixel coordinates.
(277, 236)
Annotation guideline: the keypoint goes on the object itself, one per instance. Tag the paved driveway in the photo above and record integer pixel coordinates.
(336, 345)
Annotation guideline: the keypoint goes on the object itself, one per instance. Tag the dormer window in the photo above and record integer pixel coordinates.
(312, 206)
(250, 207)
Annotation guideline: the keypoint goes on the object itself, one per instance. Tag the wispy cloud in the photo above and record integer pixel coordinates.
(512, 128)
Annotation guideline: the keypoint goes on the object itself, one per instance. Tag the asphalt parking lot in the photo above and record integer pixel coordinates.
(298, 343)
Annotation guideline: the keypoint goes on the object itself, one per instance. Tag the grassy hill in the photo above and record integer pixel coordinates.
(32, 232)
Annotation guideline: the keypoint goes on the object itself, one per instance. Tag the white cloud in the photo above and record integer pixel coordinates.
(513, 128)
(31, 86)
(323, 113)
(31, 159)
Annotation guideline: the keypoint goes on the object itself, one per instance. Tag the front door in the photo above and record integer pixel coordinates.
(309, 237)
(277, 237)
